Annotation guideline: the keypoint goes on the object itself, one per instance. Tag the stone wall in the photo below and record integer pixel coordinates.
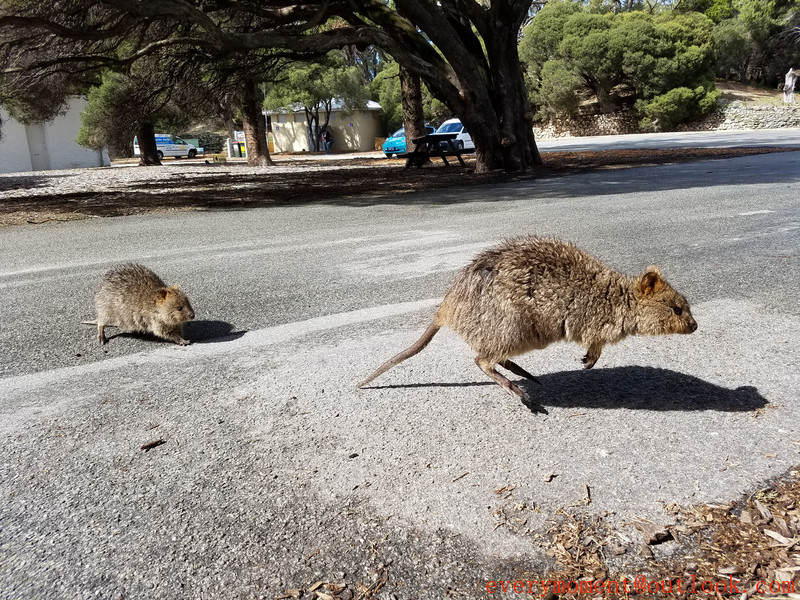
(734, 116)
(737, 116)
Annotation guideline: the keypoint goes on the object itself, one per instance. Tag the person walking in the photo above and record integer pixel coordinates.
(327, 140)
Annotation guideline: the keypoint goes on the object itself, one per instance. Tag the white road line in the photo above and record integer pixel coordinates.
(756, 212)
(169, 352)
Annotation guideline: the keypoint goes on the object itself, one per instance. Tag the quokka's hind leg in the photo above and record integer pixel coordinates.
(592, 354)
(101, 333)
(517, 370)
(487, 367)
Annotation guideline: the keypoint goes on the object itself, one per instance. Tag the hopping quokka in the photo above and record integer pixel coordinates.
(527, 293)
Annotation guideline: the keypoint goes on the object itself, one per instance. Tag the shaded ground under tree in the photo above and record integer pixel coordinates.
(360, 180)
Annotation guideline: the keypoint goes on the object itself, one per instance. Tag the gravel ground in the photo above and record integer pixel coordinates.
(125, 189)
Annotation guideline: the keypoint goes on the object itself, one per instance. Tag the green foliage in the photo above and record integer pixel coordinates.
(719, 10)
(716, 10)
(626, 58)
(36, 101)
(664, 112)
(541, 39)
(118, 105)
(312, 84)
(558, 90)
(385, 89)
(753, 38)
(733, 47)
(212, 143)
(107, 120)
(760, 16)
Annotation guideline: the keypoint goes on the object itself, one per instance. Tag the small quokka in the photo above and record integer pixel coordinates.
(132, 297)
(527, 293)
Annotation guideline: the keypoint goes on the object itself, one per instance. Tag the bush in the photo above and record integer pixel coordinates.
(558, 91)
(212, 143)
(678, 105)
(628, 59)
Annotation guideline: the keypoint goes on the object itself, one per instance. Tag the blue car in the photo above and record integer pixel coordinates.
(395, 144)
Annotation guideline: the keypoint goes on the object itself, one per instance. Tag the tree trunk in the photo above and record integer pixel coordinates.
(148, 153)
(479, 79)
(314, 128)
(255, 128)
(227, 116)
(413, 114)
(512, 117)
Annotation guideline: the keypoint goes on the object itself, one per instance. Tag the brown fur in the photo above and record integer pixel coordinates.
(134, 298)
(527, 293)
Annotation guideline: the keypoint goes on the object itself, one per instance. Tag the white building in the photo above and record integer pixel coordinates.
(354, 130)
(45, 146)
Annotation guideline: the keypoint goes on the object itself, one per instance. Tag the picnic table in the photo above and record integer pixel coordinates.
(433, 144)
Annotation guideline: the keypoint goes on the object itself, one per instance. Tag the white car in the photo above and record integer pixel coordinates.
(169, 145)
(463, 140)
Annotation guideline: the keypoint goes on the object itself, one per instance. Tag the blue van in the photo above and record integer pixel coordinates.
(395, 144)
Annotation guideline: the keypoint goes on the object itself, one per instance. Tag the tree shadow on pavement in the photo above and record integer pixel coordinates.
(364, 183)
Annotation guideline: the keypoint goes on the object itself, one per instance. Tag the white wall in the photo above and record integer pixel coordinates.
(14, 155)
(291, 136)
(56, 139)
(357, 131)
(65, 153)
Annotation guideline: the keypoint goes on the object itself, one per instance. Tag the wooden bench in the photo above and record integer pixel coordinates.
(431, 145)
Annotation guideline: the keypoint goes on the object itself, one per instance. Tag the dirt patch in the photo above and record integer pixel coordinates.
(749, 95)
(79, 194)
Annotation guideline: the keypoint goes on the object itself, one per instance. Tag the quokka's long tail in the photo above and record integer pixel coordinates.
(407, 353)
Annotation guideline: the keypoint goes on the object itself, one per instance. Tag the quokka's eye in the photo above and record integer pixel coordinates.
(677, 310)
(180, 308)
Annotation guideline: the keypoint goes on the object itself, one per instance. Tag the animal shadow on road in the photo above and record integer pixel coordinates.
(210, 332)
(643, 388)
(197, 332)
(639, 388)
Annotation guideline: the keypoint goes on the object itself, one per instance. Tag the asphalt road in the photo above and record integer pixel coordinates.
(277, 472)
(787, 137)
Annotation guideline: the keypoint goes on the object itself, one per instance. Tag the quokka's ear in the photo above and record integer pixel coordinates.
(173, 287)
(162, 293)
(650, 281)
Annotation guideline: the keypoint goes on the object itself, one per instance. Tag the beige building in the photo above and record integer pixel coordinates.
(354, 130)
(45, 146)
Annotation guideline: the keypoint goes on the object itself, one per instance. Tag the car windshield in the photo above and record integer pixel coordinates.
(450, 127)
(402, 132)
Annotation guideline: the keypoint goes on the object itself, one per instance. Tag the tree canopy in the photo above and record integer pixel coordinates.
(756, 40)
(386, 90)
(464, 50)
(629, 59)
